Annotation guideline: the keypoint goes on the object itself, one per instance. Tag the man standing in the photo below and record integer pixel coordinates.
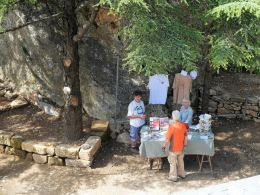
(137, 118)
(177, 136)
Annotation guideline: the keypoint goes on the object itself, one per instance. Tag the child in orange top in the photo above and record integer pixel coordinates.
(177, 134)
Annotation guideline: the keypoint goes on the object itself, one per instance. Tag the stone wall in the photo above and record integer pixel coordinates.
(226, 104)
(50, 152)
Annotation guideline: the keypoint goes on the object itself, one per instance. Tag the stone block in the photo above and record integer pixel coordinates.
(236, 108)
(254, 108)
(257, 120)
(40, 159)
(228, 106)
(67, 151)
(252, 113)
(48, 108)
(212, 92)
(213, 104)
(237, 98)
(226, 96)
(29, 156)
(2, 149)
(28, 146)
(13, 151)
(39, 147)
(99, 125)
(212, 110)
(77, 163)
(90, 148)
(55, 160)
(5, 137)
(224, 111)
(16, 141)
(253, 100)
(220, 105)
(19, 102)
(217, 99)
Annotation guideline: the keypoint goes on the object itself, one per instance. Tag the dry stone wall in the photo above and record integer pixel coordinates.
(226, 104)
(50, 153)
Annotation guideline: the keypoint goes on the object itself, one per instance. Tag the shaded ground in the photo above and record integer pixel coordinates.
(33, 124)
(116, 170)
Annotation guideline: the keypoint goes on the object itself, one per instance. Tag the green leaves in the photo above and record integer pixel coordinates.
(157, 40)
(236, 9)
(235, 39)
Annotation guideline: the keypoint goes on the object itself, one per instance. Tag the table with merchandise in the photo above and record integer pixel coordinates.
(199, 143)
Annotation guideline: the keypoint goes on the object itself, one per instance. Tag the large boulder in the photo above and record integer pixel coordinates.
(31, 58)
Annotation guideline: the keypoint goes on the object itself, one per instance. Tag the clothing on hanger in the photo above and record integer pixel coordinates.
(184, 73)
(194, 74)
(158, 86)
(182, 86)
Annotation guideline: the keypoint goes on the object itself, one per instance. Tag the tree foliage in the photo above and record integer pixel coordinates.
(156, 39)
(161, 35)
(235, 38)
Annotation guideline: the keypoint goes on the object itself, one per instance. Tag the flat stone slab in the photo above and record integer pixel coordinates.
(40, 159)
(90, 148)
(67, 151)
(39, 147)
(5, 137)
(48, 108)
(19, 102)
(77, 163)
(99, 125)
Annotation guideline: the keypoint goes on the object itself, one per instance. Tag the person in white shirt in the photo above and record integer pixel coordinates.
(137, 117)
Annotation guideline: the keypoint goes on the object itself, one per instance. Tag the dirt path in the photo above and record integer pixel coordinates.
(118, 171)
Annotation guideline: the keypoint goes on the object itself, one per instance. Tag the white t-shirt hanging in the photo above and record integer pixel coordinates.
(158, 86)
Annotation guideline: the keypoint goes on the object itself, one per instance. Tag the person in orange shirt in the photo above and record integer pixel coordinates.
(177, 136)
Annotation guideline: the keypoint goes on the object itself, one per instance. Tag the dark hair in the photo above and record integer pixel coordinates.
(137, 93)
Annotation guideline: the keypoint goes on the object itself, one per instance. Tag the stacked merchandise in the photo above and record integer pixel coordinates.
(205, 124)
(157, 123)
(164, 124)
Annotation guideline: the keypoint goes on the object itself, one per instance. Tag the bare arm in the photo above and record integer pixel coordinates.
(136, 116)
(185, 140)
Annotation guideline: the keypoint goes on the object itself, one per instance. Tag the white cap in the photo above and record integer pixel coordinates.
(193, 74)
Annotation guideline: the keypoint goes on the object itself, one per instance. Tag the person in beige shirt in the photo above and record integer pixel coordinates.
(182, 86)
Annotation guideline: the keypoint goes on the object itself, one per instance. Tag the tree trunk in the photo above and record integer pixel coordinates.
(207, 73)
(73, 102)
(206, 87)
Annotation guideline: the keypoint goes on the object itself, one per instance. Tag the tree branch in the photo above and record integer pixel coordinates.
(86, 26)
(32, 22)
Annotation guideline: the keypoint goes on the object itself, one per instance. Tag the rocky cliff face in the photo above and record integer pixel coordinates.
(31, 58)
